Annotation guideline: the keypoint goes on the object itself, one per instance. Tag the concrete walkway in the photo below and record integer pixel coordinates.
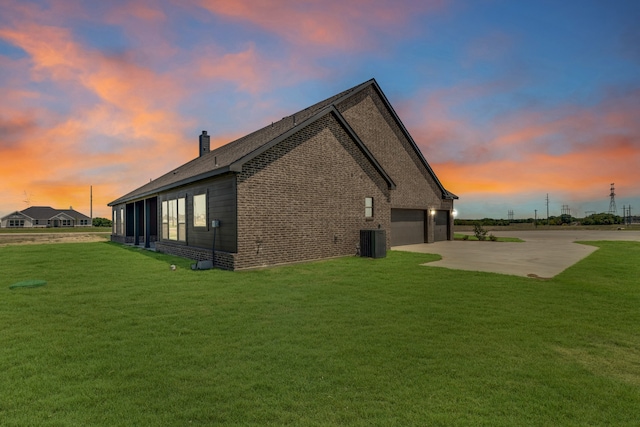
(544, 253)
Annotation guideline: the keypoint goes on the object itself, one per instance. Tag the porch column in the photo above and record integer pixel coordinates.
(136, 224)
(147, 223)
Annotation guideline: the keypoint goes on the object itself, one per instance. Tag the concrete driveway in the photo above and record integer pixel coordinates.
(544, 253)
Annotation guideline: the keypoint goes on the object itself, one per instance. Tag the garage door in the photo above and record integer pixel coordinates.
(407, 226)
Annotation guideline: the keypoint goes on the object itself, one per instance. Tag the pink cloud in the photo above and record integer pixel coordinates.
(335, 24)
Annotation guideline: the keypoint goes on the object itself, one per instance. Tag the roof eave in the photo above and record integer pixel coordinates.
(176, 184)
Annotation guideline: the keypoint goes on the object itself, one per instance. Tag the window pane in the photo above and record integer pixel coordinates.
(165, 212)
(200, 210)
(173, 219)
(182, 219)
(368, 207)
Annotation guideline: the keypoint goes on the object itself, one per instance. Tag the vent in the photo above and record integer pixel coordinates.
(373, 243)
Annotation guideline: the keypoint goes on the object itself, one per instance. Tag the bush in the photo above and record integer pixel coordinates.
(493, 238)
(101, 222)
(479, 231)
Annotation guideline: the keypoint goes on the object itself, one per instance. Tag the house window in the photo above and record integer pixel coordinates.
(113, 223)
(182, 219)
(174, 217)
(165, 219)
(368, 207)
(200, 210)
(122, 221)
(19, 223)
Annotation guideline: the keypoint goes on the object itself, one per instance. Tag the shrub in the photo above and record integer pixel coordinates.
(493, 238)
(479, 231)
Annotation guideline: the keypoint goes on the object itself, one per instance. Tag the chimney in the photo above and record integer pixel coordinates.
(204, 143)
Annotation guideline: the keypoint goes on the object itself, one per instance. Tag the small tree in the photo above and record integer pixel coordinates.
(479, 231)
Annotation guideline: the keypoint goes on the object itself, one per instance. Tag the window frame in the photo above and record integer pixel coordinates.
(368, 207)
(200, 219)
(174, 219)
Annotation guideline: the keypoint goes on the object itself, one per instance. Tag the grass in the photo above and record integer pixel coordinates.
(471, 237)
(118, 338)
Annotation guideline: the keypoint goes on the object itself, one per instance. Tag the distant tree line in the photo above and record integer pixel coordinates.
(594, 219)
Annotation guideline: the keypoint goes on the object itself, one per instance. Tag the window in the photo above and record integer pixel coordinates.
(174, 218)
(16, 223)
(182, 219)
(200, 210)
(113, 223)
(122, 221)
(368, 207)
(165, 220)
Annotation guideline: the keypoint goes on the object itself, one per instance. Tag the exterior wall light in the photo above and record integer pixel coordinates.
(454, 213)
(433, 212)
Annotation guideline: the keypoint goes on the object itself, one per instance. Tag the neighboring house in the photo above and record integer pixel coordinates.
(45, 216)
(298, 189)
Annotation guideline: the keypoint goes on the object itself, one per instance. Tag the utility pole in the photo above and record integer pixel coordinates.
(535, 219)
(612, 200)
(547, 209)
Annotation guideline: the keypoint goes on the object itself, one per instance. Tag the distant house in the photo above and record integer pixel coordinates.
(45, 216)
(298, 189)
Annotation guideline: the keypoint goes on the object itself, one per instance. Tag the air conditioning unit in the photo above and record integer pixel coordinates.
(373, 243)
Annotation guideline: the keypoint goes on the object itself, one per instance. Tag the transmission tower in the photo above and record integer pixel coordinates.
(612, 202)
(510, 213)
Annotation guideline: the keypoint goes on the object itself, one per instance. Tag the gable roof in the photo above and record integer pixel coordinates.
(230, 157)
(445, 194)
(47, 213)
(40, 212)
(16, 214)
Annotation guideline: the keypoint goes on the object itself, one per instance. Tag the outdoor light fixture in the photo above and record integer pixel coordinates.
(433, 212)
(454, 213)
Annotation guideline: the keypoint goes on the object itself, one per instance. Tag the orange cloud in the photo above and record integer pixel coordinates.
(133, 107)
(571, 150)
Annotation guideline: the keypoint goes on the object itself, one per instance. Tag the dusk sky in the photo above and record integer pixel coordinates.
(507, 99)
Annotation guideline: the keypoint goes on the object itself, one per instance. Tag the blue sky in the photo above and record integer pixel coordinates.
(508, 100)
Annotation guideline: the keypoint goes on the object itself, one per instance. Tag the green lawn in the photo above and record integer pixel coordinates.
(116, 338)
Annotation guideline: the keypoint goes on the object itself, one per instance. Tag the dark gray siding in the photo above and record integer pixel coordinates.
(221, 205)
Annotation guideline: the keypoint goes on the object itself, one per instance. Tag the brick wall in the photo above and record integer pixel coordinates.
(224, 260)
(304, 198)
(371, 120)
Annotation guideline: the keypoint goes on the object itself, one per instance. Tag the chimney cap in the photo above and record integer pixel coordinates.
(204, 132)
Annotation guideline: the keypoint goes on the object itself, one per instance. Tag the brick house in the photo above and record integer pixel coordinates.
(45, 216)
(298, 189)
